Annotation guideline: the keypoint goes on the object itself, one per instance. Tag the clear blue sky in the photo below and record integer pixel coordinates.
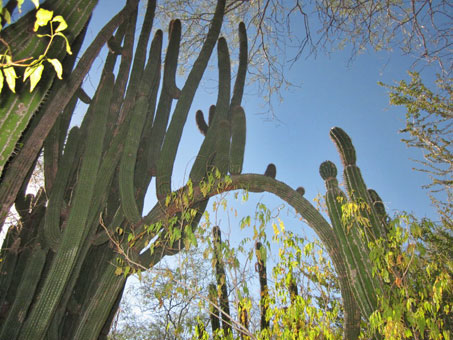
(331, 93)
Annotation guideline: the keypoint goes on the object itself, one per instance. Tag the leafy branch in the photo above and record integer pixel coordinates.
(33, 67)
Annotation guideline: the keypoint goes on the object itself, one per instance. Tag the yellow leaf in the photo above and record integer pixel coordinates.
(43, 16)
(276, 232)
(118, 271)
(35, 76)
(10, 75)
(57, 66)
(62, 23)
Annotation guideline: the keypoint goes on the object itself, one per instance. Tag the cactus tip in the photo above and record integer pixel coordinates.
(271, 170)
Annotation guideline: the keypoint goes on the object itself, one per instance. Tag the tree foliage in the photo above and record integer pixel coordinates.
(429, 126)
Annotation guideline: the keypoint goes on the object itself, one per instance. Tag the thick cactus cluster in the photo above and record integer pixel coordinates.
(58, 278)
(61, 276)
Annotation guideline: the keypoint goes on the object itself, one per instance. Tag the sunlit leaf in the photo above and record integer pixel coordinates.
(43, 17)
(68, 47)
(35, 76)
(6, 15)
(10, 75)
(57, 66)
(36, 2)
(62, 23)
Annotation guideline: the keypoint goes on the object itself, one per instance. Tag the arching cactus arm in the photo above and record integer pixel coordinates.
(261, 183)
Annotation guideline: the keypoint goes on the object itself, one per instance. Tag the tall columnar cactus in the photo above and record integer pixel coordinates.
(264, 293)
(221, 280)
(355, 232)
(58, 278)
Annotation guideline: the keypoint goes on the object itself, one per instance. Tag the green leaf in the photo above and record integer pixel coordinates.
(6, 15)
(57, 66)
(68, 47)
(43, 16)
(35, 77)
(62, 23)
(10, 75)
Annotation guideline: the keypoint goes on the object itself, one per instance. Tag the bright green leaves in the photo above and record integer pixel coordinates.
(35, 73)
(10, 75)
(57, 66)
(43, 17)
(33, 67)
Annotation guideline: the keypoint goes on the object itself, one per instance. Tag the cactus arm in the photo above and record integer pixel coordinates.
(224, 88)
(201, 123)
(38, 321)
(211, 115)
(20, 165)
(238, 90)
(217, 139)
(355, 184)
(139, 60)
(213, 310)
(24, 295)
(101, 303)
(174, 132)
(238, 136)
(123, 75)
(356, 256)
(171, 59)
(222, 147)
(52, 232)
(166, 97)
(129, 158)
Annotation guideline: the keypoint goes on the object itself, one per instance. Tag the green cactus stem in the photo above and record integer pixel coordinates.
(38, 322)
(174, 132)
(238, 90)
(355, 184)
(264, 293)
(353, 249)
(129, 158)
(52, 231)
(221, 280)
(238, 136)
(271, 171)
(211, 115)
(201, 123)
(213, 310)
(301, 190)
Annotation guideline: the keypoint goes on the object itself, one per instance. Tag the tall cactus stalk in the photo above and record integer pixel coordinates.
(221, 280)
(264, 292)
